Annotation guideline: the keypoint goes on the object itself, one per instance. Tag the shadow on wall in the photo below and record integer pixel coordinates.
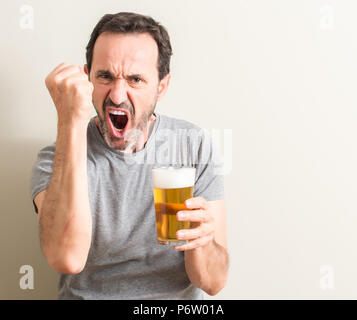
(19, 229)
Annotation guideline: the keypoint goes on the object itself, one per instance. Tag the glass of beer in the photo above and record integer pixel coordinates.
(172, 186)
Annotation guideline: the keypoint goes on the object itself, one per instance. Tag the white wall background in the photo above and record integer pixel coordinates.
(280, 73)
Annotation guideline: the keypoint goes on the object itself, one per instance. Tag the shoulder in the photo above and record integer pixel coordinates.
(47, 152)
(172, 123)
(184, 130)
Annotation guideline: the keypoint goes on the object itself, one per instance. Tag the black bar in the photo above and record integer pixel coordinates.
(182, 309)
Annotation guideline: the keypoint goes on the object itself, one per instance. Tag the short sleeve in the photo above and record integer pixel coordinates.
(41, 172)
(209, 167)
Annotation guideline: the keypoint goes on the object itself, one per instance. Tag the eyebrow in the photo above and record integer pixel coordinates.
(109, 73)
(103, 72)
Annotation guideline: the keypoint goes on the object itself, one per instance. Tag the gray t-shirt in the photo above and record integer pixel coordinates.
(125, 261)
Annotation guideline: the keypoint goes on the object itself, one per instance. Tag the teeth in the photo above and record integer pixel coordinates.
(118, 113)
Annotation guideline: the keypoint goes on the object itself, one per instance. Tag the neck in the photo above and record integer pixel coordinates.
(138, 142)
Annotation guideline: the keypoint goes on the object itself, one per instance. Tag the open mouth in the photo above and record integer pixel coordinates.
(118, 119)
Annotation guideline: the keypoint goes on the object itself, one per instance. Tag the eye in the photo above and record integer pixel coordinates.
(136, 80)
(104, 76)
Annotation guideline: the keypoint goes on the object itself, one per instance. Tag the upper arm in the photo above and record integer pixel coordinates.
(39, 201)
(218, 212)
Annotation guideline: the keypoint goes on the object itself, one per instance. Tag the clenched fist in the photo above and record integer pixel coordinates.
(71, 92)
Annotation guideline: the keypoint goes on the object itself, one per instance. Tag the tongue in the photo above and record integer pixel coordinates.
(119, 121)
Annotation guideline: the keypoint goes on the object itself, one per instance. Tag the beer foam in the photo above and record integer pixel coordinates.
(170, 177)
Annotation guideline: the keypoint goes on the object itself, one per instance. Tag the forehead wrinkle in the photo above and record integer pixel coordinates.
(133, 58)
(124, 68)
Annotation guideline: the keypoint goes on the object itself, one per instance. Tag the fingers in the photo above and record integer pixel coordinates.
(60, 67)
(75, 78)
(68, 71)
(193, 244)
(200, 217)
(201, 231)
(196, 203)
(65, 78)
(193, 215)
(63, 71)
(202, 224)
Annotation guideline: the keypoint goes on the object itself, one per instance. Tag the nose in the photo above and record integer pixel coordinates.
(118, 92)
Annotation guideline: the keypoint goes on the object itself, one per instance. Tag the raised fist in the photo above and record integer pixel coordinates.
(71, 92)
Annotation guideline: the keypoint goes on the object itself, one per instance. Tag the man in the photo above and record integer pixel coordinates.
(92, 189)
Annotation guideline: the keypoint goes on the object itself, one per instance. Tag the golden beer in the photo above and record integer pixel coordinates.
(172, 186)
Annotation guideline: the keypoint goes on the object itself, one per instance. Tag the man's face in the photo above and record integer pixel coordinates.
(124, 74)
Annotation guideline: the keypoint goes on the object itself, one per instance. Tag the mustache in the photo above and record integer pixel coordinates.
(123, 105)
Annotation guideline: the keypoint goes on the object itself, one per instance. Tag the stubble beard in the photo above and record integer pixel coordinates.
(135, 137)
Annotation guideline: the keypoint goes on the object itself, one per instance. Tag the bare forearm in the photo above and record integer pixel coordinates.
(207, 267)
(65, 220)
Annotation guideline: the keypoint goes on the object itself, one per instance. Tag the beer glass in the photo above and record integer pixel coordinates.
(172, 186)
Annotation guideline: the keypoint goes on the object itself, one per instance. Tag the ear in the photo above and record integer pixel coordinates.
(85, 68)
(163, 86)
